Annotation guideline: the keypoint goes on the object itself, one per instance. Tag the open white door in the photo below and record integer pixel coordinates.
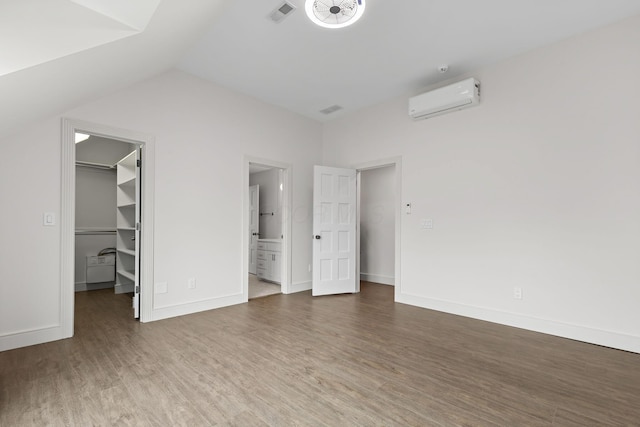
(334, 231)
(254, 226)
(136, 284)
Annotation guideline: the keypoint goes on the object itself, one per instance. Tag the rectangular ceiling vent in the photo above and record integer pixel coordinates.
(282, 11)
(331, 109)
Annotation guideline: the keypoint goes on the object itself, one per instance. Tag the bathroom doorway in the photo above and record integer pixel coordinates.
(267, 228)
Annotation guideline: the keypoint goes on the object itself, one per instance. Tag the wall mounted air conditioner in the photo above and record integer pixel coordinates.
(450, 98)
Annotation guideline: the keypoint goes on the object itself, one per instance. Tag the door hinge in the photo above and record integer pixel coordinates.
(138, 163)
(137, 226)
(137, 289)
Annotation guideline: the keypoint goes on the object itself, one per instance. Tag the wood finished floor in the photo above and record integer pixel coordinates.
(259, 288)
(297, 360)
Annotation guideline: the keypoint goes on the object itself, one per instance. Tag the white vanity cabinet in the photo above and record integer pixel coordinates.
(269, 261)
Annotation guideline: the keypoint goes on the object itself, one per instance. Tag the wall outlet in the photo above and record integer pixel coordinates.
(161, 287)
(517, 292)
(191, 283)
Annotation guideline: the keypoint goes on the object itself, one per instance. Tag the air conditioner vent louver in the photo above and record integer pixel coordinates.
(282, 11)
(457, 96)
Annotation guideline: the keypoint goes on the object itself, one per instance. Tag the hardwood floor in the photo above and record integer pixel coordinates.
(297, 360)
(259, 288)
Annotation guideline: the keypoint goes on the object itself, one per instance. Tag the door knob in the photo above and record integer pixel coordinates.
(317, 236)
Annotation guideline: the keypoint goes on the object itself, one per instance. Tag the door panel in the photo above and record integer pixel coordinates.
(136, 284)
(334, 231)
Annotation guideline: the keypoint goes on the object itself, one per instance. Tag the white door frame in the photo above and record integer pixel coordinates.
(68, 206)
(375, 164)
(287, 188)
(253, 239)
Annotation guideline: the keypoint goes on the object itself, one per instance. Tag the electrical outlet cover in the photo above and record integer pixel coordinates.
(161, 287)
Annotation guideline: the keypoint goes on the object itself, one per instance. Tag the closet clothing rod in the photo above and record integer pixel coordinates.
(95, 165)
(96, 232)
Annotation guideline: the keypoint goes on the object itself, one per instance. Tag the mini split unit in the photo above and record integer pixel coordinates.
(450, 98)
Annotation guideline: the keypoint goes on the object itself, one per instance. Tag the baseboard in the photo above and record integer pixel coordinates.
(560, 329)
(123, 289)
(84, 286)
(31, 337)
(166, 312)
(378, 278)
(299, 287)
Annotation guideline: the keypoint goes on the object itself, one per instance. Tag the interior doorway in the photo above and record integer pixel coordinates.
(379, 216)
(67, 214)
(266, 190)
(377, 219)
(377, 225)
(266, 270)
(107, 216)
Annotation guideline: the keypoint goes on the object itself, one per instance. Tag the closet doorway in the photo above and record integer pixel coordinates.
(267, 229)
(68, 221)
(377, 225)
(107, 216)
(379, 216)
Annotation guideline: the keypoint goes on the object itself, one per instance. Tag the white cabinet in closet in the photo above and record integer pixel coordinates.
(269, 253)
(127, 214)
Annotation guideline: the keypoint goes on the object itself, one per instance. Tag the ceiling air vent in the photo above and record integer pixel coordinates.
(282, 11)
(331, 109)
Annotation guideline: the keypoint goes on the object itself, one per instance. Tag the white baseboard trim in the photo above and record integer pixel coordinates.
(123, 289)
(83, 286)
(560, 329)
(31, 337)
(166, 312)
(378, 278)
(299, 287)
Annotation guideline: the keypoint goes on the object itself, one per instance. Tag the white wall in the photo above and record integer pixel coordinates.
(202, 135)
(95, 210)
(377, 225)
(95, 198)
(270, 202)
(538, 188)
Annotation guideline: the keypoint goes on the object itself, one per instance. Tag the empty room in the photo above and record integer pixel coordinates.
(306, 212)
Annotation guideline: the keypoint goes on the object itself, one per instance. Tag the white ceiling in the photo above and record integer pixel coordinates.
(393, 50)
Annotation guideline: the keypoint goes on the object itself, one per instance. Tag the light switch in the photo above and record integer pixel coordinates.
(49, 219)
(407, 208)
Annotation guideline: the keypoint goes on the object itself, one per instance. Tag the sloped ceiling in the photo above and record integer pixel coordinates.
(395, 49)
(67, 67)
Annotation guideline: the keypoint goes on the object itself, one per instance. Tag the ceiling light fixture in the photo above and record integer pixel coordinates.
(81, 137)
(334, 13)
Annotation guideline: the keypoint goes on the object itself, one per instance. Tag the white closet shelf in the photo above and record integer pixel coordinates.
(126, 229)
(127, 205)
(129, 274)
(127, 251)
(131, 182)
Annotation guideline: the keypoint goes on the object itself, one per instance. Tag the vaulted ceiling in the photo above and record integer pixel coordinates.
(61, 53)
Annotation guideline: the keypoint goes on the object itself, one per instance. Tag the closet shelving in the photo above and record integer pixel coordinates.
(126, 223)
